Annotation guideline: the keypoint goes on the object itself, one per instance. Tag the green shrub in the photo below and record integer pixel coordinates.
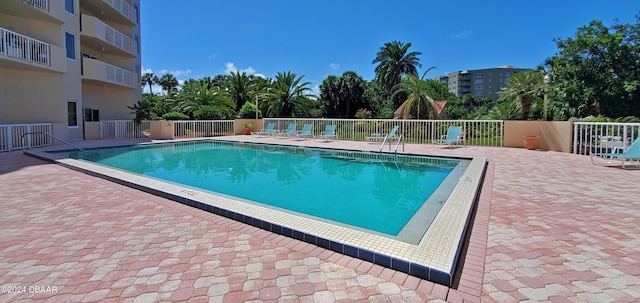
(175, 116)
(248, 111)
(207, 112)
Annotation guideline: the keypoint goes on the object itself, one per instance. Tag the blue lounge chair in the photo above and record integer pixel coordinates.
(632, 153)
(290, 131)
(391, 136)
(453, 136)
(328, 134)
(305, 132)
(265, 131)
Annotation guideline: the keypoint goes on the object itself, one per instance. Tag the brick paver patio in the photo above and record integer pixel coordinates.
(549, 227)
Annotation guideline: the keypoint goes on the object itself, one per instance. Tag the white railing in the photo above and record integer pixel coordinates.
(603, 137)
(40, 4)
(22, 47)
(124, 129)
(118, 75)
(475, 132)
(117, 38)
(202, 128)
(122, 6)
(11, 136)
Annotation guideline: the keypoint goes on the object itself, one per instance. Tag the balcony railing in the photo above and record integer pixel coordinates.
(117, 38)
(24, 48)
(98, 70)
(120, 5)
(118, 75)
(40, 4)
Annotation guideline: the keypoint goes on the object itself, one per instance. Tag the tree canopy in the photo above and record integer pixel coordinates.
(597, 71)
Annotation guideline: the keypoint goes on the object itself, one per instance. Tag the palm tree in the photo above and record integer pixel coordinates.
(416, 90)
(196, 94)
(330, 93)
(239, 86)
(288, 96)
(524, 87)
(149, 79)
(168, 82)
(142, 110)
(395, 60)
(345, 94)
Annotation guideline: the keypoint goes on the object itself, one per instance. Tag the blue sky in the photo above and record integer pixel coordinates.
(193, 39)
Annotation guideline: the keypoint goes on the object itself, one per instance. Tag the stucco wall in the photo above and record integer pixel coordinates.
(554, 135)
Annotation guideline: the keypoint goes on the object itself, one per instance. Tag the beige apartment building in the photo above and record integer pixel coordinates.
(69, 63)
(479, 82)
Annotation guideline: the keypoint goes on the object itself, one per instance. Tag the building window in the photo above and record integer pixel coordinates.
(137, 70)
(137, 40)
(135, 11)
(477, 93)
(478, 86)
(70, 42)
(479, 75)
(68, 6)
(477, 81)
(72, 113)
(91, 115)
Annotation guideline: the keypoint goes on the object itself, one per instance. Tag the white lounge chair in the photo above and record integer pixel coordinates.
(632, 153)
(453, 136)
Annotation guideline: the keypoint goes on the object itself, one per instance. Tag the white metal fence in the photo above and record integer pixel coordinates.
(603, 137)
(202, 128)
(475, 132)
(124, 129)
(11, 136)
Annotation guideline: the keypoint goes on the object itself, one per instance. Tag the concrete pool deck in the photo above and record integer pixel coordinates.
(550, 227)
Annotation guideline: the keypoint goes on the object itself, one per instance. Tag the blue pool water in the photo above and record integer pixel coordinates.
(374, 191)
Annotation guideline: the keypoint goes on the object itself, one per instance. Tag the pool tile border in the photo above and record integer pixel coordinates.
(441, 273)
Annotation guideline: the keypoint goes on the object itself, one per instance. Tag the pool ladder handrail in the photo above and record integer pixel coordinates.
(397, 144)
(50, 135)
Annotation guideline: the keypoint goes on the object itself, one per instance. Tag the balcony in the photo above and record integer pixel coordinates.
(101, 73)
(23, 52)
(118, 11)
(98, 35)
(34, 9)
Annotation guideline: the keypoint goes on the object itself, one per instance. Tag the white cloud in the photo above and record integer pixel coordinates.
(316, 90)
(461, 34)
(175, 73)
(212, 56)
(230, 67)
(334, 66)
(180, 73)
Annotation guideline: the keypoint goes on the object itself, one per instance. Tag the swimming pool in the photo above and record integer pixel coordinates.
(377, 192)
(433, 256)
